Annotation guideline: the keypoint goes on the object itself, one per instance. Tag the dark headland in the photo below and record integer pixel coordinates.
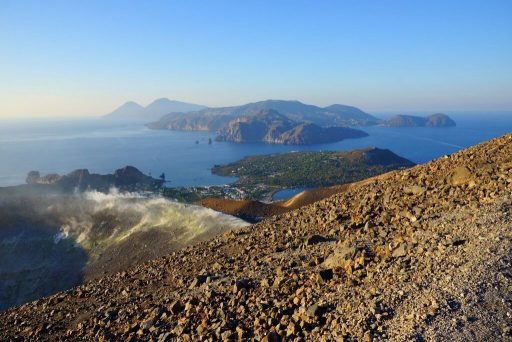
(127, 178)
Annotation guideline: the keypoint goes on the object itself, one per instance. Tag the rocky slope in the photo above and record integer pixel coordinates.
(421, 254)
(434, 120)
(269, 126)
(213, 119)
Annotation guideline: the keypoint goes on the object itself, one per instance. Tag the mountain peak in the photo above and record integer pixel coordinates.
(129, 109)
(161, 100)
(155, 110)
(131, 104)
(280, 101)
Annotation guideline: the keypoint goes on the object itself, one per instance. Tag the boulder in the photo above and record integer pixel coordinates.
(33, 177)
(341, 257)
(459, 176)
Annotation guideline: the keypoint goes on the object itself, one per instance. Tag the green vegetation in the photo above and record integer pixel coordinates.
(182, 194)
(261, 176)
(195, 194)
(312, 169)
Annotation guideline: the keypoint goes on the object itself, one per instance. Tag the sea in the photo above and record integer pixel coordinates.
(186, 158)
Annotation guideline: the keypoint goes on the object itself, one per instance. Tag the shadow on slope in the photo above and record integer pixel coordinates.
(51, 241)
(34, 262)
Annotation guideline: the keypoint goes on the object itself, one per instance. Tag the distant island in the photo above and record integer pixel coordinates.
(288, 122)
(270, 121)
(434, 120)
(127, 178)
(274, 121)
(155, 110)
(213, 119)
(270, 126)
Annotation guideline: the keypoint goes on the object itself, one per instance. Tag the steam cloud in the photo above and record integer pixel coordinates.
(52, 241)
(97, 219)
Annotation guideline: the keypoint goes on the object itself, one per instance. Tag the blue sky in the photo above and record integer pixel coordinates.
(76, 58)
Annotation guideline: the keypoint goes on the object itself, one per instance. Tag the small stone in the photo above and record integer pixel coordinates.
(200, 279)
(367, 337)
(272, 337)
(147, 324)
(292, 329)
(324, 276)
(314, 239)
(340, 257)
(414, 190)
(314, 310)
(458, 242)
(176, 307)
(400, 251)
(241, 284)
(226, 335)
(277, 282)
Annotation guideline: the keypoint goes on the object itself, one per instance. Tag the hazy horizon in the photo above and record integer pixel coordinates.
(63, 59)
(378, 113)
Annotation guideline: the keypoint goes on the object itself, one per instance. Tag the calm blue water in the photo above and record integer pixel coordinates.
(102, 146)
(286, 193)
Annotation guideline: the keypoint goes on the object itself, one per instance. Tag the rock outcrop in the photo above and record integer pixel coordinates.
(421, 254)
(269, 126)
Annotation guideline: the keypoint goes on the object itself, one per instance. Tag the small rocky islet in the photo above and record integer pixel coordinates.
(416, 254)
(434, 120)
